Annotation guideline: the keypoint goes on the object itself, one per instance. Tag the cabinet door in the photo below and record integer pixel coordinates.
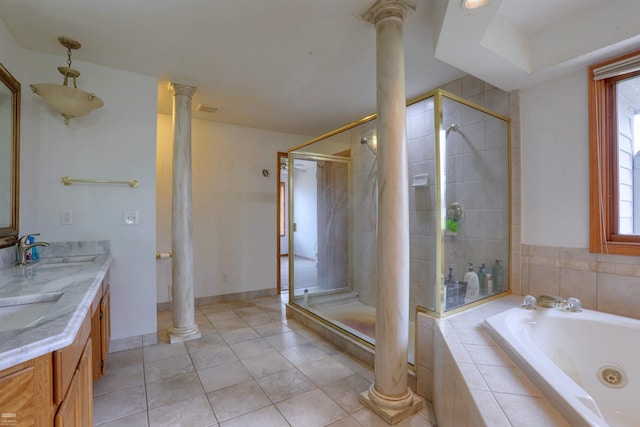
(105, 327)
(17, 399)
(96, 339)
(101, 334)
(26, 393)
(86, 386)
(69, 411)
(76, 410)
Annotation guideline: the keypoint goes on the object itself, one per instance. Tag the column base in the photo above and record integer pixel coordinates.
(391, 410)
(183, 334)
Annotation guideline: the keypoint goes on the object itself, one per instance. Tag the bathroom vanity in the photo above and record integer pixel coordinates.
(54, 337)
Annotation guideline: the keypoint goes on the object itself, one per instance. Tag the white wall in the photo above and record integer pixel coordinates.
(234, 206)
(555, 168)
(115, 142)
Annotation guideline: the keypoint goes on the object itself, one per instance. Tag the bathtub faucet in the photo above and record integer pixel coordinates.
(550, 301)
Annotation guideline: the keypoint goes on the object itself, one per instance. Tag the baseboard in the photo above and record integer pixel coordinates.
(136, 341)
(238, 296)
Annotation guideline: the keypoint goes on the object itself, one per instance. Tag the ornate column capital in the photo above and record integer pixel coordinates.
(182, 87)
(382, 9)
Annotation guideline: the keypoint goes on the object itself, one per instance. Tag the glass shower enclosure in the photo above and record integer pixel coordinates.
(459, 215)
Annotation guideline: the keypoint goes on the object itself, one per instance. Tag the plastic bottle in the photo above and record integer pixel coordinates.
(28, 253)
(34, 250)
(497, 270)
(473, 283)
(488, 284)
(450, 291)
(482, 272)
(306, 298)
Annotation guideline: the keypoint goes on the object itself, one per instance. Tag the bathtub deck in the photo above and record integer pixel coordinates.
(471, 380)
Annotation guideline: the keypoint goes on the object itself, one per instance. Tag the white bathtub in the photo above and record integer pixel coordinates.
(563, 353)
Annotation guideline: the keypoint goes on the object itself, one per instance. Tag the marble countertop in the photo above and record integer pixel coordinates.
(77, 281)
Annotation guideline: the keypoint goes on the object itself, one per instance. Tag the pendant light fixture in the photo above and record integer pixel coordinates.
(473, 4)
(65, 100)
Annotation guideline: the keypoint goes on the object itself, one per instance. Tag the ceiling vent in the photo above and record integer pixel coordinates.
(207, 108)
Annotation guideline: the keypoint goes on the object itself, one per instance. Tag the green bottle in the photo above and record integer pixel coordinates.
(482, 272)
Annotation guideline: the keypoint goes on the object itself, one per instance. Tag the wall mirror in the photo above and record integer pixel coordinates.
(9, 157)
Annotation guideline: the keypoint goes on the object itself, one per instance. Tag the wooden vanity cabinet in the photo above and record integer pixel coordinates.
(56, 389)
(53, 389)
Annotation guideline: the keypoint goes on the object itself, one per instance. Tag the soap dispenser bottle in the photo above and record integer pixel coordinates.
(450, 290)
(482, 272)
(497, 271)
(473, 284)
(33, 252)
(488, 284)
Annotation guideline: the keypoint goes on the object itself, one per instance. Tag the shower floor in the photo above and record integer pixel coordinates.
(360, 320)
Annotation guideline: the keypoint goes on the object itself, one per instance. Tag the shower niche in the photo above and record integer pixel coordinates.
(459, 214)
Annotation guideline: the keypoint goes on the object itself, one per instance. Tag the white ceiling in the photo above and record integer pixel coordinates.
(308, 66)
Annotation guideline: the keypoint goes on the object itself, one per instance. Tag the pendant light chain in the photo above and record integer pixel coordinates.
(69, 56)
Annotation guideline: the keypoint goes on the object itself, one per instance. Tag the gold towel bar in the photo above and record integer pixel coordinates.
(67, 180)
(162, 255)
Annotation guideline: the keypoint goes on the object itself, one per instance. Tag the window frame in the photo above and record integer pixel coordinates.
(603, 158)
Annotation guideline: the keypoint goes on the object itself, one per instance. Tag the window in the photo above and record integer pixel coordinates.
(614, 117)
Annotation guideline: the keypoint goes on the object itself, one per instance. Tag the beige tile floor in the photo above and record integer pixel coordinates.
(252, 367)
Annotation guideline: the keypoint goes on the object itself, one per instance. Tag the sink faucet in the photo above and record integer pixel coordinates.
(23, 246)
(550, 301)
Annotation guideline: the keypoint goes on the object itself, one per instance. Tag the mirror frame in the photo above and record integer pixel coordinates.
(9, 235)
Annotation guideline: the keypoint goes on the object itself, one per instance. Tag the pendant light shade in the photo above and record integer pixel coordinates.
(65, 100)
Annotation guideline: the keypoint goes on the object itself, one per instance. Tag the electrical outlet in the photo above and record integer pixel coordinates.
(66, 217)
(226, 277)
(130, 217)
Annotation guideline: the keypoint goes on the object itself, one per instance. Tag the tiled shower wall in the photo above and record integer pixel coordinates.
(484, 145)
(363, 200)
(421, 158)
(422, 219)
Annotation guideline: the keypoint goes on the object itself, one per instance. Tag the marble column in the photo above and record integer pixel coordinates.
(184, 327)
(389, 396)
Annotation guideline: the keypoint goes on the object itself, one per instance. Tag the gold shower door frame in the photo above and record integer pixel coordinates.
(317, 157)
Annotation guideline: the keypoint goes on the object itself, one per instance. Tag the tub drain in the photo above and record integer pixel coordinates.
(612, 376)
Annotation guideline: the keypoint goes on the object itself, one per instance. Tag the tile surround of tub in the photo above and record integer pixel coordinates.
(609, 283)
(470, 380)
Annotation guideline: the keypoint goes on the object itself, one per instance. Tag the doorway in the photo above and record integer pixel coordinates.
(282, 240)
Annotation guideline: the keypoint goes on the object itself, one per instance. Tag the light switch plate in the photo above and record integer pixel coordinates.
(130, 217)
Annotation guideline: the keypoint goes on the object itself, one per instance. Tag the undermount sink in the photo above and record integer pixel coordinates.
(27, 310)
(67, 261)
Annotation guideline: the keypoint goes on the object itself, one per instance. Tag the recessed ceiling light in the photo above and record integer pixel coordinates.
(474, 4)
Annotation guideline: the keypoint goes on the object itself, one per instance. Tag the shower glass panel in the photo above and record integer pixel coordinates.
(320, 249)
(333, 218)
(423, 233)
(474, 148)
(458, 187)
